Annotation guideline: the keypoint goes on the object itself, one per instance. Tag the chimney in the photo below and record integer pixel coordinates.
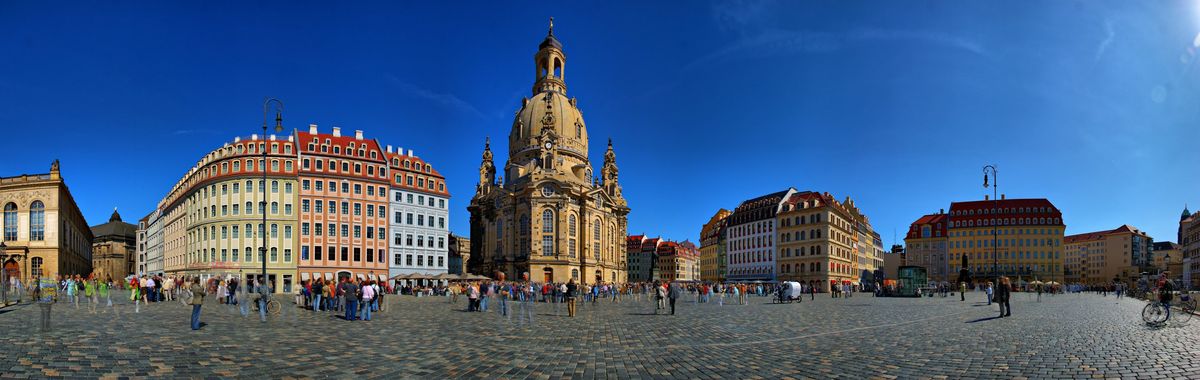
(357, 134)
(312, 128)
(985, 197)
(400, 150)
(389, 148)
(337, 132)
(291, 138)
(237, 139)
(941, 211)
(1001, 196)
(410, 153)
(272, 137)
(254, 136)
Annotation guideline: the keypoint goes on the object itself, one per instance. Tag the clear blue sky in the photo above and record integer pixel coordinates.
(897, 104)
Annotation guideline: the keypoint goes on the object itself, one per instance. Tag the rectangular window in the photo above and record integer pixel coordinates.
(408, 218)
(420, 220)
(441, 222)
(371, 191)
(420, 261)
(287, 209)
(358, 209)
(370, 210)
(441, 203)
(398, 218)
(408, 260)
(357, 188)
(357, 232)
(235, 255)
(345, 187)
(370, 232)
(408, 240)
(317, 229)
(346, 254)
(304, 253)
(346, 230)
(317, 250)
(397, 259)
(441, 264)
(357, 254)
(345, 208)
(320, 185)
(397, 240)
(304, 205)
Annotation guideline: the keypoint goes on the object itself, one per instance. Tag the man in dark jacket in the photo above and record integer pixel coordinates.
(350, 296)
(572, 290)
(1003, 293)
(672, 294)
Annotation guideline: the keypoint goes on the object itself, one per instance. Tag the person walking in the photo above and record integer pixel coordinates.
(1039, 292)
(368, 295)
(264, 294)
(316, 294)
(197, 301)
(672, 295)
(989, 292)
(962, 291)
(350, 298)
(89, 290)
(572, 289)
(1003, 294)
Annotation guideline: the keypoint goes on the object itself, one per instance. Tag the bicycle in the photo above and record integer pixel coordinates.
(273, 305)
(1187, 307)
(1156, 313)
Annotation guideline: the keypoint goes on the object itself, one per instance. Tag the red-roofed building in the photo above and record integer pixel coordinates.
(1099, 257)
(419, 224)
(1027, 236)
(343, 206)
(926, 246)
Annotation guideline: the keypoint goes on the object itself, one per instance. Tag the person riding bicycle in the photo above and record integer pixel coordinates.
(1165, 287)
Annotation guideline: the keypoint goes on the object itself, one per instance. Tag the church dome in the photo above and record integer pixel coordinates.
(553, 110)
(549, 116)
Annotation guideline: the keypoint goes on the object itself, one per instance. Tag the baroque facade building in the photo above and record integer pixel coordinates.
(213, 215)
(712, 247)
(824, 242)
(751, 250)
(1100, 257)
(547, 218)
(149, 258)
(420, 216)
(926, 245)
(458, 248)
(1028, 236)
(1189, 244)
(113, 248)
(640, 254)
(326, 200)
(44, 233)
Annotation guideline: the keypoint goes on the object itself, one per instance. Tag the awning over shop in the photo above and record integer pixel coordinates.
(328, 276)
(304, 277)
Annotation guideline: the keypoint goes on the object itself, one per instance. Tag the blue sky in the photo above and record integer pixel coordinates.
(1092, 104)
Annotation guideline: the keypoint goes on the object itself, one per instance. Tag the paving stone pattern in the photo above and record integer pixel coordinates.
(1064, 336)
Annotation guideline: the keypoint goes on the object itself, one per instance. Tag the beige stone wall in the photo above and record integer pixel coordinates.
(60, 251)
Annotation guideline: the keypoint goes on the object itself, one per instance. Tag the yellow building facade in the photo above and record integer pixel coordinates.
(546, 218)
(1027, 235)
(712, 247)
(1101, 257)
(44, 233)
(819, 241)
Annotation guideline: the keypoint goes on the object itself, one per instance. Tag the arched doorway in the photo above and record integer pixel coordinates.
(343, 275)
(12, 269)
(599, 276)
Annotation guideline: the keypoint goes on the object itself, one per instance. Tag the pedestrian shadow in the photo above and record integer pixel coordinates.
(643, 313)
(982, 319)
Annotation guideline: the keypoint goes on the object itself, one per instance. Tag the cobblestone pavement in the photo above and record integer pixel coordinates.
(1064, 336)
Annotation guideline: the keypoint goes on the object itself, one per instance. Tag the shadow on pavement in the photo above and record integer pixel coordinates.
(983, 319)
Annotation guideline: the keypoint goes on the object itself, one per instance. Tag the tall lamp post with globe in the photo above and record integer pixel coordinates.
(995, 202)
(263, 188)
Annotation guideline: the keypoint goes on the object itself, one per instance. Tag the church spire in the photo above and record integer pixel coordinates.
(548, 64)
(1186, 213)
(487, 170)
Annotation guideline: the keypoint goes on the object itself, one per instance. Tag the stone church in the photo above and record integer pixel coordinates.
(546, 218)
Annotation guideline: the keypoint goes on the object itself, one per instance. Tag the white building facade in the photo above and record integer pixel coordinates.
(419, 224)
(751, 244)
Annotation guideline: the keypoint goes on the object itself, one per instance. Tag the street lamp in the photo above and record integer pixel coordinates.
(995, 202)
(263, 204)
(4, 277)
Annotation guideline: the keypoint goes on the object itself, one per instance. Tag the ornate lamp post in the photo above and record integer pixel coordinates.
(263, 204)
(995, 201)
(3, 260)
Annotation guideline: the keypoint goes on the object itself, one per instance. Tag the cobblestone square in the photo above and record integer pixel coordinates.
(1063, 336)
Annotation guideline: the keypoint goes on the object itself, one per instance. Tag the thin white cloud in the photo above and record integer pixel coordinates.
(446, 100)
(1108, 39)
